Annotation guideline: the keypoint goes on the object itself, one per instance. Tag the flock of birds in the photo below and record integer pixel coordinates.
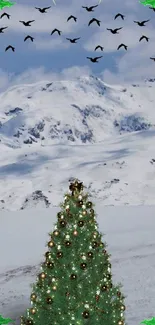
(74, 40)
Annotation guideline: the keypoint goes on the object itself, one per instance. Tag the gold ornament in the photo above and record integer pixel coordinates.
(94, 244)
(85, 314)
(32, 311)
(89, 204)
(29, 322)
(48, 255)
(122, 307)
(75, 233)
(80, 223)
(68, 243)
(59, 254)
(62, 223)
(84, 212)
(73, 276)
(49, 264)
(42, 275)
(50, 243)
(54, 288)
(104, 288)
(120, 322)
(56, 232)
(83, 266)
(49, 300)
(33, 297)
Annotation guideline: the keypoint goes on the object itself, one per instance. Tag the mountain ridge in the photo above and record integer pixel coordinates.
(51, 131)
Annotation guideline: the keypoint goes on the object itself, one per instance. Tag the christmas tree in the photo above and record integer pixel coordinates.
(75, 286)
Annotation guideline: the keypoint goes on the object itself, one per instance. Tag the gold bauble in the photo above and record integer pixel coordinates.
(84, 212)
(56, 232)
(42, 275)
(32, 311)
(122, 307)
(120, 322)
(75, 233)
(48, 255)
(54, 288)
(50, 243)
(33, 296)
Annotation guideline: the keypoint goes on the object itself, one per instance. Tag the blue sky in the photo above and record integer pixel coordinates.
(53, 57)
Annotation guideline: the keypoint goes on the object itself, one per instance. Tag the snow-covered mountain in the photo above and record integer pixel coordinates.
(102, 134)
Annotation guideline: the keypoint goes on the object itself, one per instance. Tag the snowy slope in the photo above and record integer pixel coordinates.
(130, 236)
(84, 128)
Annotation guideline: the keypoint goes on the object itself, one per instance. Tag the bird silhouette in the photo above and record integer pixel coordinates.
(72, 17)
(5, 14)
(73, 40)
(114, 31)
(10, 47)
(43, 10)
(94, 19)
(125, 46)
(26, 23)
(90, 8)
(1, 29)
(99, 47)
(142, 22)
(56, 30)
(152, 59)
(142, 37)
(152, 8)
(94, 59)
(119, 15)
(30, 37)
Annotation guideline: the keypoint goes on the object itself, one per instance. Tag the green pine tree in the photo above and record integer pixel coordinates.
(75, 284)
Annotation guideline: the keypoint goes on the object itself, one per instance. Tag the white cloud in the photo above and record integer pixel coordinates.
(43, 43)
(35, 75)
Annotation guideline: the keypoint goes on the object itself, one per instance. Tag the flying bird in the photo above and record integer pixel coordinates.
(125, 46)
(94, 19)
(99, 47)
(152, 59)
(90, 8)
(142, 22)
(10, 47)
(30, 37)
(70, 17)
(114, 31)
(1, 29)
(94, 59)
(26, 23)
(73, 40)
(119, 15)
(43, 10)
(56, 30)
(143, 36)
(5, 14)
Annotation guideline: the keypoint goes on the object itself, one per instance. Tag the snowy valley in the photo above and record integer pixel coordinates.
(102, 134)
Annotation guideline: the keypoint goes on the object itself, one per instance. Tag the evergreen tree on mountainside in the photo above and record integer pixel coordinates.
(75, 284)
